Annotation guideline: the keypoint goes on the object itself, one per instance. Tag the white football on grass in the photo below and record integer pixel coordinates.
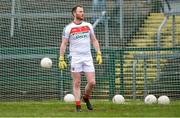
(163, 99)
(69, 98)
(150, 99)
(118, 99)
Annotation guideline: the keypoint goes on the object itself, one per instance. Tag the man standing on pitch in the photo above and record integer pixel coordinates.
(80, 35)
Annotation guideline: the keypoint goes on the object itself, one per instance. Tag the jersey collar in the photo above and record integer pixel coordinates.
(77, 23)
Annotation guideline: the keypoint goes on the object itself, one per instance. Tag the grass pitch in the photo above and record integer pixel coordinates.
(101, 109)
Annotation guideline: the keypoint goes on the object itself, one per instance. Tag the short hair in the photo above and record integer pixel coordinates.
(74, 8)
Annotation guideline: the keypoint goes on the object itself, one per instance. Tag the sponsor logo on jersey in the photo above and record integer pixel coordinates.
(80, 32)
(75, 30)
(81, 35)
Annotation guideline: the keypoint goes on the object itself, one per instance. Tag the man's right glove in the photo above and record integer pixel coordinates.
(62, 63)
(99, 57)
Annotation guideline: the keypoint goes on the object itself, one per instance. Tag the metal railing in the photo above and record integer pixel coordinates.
(173, 11)
(145, 57)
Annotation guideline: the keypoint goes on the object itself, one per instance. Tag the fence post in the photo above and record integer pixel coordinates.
(134, 79)
(145, 78)
(122, 72)
(112, 79)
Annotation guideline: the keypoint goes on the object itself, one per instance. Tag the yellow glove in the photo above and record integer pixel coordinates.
(99, 57)
(62, 63)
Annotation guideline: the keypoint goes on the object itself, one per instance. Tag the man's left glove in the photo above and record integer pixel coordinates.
(62, 63)
(99, 57)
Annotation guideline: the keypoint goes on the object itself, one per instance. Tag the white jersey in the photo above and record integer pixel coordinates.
(79, 38)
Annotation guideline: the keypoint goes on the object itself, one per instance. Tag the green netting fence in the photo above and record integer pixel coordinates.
(140, 41)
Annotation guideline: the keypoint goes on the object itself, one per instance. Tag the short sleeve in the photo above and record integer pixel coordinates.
(65, 33)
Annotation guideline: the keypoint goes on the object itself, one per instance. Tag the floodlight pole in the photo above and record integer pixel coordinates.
(18, 12)
(121, 3)
(12, 18)
(173, 30)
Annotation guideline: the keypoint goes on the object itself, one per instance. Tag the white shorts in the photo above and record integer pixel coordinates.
(82, 64)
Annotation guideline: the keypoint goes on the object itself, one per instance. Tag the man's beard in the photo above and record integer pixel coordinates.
(80, 18)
